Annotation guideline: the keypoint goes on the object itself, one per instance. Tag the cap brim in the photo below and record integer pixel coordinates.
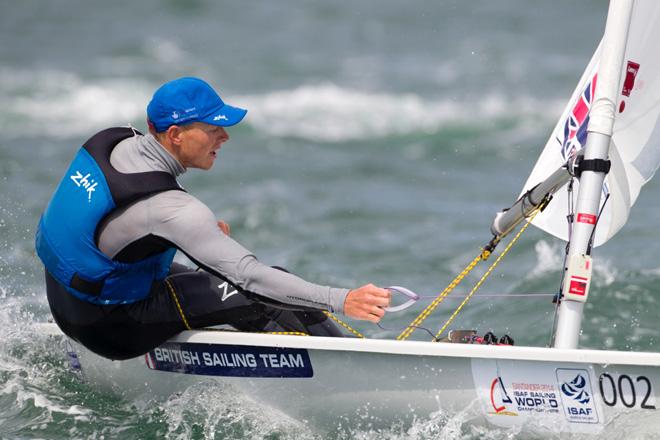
(225, 116)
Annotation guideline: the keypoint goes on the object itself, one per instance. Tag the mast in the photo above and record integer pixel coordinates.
(601, 122)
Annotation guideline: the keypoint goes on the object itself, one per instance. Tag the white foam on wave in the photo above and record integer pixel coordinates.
(59, 104)
(328, 112)
(24, 397)
(62, 104)
(456, 424)
(26, 381)
(224, 412)
(550, 258)
(606, 272)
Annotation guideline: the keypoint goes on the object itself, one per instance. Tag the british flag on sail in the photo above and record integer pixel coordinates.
(575, 127)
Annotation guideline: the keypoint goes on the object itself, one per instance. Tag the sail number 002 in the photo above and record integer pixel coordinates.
(612, 391)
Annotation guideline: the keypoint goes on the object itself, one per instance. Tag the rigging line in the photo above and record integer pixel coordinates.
(455, 282)
(570, 218)
(485, 254)
(499, 295)
(593, 231)
(492, 267)
(571, 209)
(343, 324)
(398, 329)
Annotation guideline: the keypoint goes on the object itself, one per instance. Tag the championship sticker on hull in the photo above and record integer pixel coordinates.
(546, 395)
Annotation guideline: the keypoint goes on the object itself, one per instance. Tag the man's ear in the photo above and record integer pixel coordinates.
(173, 135)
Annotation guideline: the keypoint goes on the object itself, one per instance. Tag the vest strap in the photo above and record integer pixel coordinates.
(93, 288)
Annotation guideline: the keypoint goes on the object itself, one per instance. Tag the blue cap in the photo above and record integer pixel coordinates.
(187, 100)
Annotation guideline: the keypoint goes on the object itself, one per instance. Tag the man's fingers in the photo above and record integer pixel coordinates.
(381, 301)
(367, 302)
(369, 317)
(377, 291)
(373, 313)
(224, 227)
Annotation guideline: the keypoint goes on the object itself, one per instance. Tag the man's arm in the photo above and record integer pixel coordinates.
(191, 226)
(368, 302)
(186, 222)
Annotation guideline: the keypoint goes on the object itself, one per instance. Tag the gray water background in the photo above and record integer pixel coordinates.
(381, 138)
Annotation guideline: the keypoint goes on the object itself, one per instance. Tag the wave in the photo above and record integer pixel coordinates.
(224, 412)
(550, 258)
(62, 104)
(41, 397)
(328, 112)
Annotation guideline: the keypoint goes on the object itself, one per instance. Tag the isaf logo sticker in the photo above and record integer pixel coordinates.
(575, 389)
(577, 395)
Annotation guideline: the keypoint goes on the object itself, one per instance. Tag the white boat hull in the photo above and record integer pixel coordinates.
(331, 381)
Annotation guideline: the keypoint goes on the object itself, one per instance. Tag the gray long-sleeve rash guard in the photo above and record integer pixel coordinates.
(190, 225)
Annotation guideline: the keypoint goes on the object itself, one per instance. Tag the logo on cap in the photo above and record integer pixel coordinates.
(220, 118)
(175, 115)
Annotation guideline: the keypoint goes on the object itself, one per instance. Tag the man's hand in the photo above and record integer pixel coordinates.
(224, 227)
(367, 303)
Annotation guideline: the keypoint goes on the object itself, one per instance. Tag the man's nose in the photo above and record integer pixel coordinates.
(224, 136)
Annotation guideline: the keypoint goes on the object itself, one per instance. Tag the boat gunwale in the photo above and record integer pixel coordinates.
(420, 348)
(415, 348)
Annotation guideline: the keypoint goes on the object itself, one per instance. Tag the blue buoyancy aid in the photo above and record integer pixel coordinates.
(88, 192)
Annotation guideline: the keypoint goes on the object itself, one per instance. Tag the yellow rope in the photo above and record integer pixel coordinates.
(483, 256)
(287, 333)
(185, 321)
(343, 324)
(211, 329)
(485, 253)
(488, 272)
(178, 306)
(429, 309)
(328, 314)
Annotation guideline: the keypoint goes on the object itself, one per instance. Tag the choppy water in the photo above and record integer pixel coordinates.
(381, 139)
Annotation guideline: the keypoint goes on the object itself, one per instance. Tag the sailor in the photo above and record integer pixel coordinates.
(110, 231)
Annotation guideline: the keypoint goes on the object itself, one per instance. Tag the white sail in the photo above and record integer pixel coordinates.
(635, 149)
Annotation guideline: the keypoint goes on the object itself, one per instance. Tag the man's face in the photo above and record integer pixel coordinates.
(200, 143)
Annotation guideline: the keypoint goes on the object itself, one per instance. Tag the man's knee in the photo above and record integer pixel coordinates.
(207, 300)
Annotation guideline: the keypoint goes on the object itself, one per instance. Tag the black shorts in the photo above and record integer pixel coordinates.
(186, 299)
